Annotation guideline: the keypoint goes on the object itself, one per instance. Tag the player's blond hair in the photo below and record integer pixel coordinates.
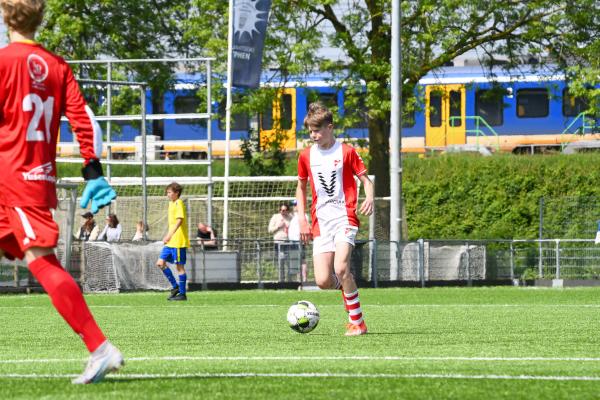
(318, 115)
(23, 16)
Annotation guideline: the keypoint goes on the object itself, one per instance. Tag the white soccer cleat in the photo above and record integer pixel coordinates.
(107, 358)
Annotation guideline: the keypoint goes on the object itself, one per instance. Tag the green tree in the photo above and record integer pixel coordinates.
(434, 32)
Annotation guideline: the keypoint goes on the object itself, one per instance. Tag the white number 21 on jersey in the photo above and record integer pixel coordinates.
(33, 102)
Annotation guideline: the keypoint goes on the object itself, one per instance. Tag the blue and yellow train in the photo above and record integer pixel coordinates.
(518, 111)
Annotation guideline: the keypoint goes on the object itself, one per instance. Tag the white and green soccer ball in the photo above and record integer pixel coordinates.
(303, 316)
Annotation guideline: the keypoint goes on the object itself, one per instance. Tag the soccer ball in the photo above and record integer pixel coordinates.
(303, 316)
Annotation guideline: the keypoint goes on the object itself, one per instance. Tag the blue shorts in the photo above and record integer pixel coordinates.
(173, 255)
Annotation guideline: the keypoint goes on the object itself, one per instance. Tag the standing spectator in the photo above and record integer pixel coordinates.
(294, 235)
(112, 230)
(139, 231)
(207, 237)
(176, 243)
(280, 222)
(89, 229)
(278, 226)
(37, 87)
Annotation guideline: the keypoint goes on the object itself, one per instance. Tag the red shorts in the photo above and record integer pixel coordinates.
(24, 227)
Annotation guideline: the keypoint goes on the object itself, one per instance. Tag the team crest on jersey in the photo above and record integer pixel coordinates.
(38, 69)
(40, 173)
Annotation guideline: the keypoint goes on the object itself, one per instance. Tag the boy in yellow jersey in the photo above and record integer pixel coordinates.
(176, 241)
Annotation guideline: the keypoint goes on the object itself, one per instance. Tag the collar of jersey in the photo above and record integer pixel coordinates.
(25, 41)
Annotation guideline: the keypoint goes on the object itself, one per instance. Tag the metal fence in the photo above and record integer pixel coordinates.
(265, 263)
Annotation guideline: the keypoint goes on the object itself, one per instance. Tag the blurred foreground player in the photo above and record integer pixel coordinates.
(331, 167)
(36, 88)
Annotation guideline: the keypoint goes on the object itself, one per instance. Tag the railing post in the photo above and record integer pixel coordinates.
(259, 265)
(557, 252)
(421, 261)
(512, 261)
(469, 276)
(541, 234)
(373, 262)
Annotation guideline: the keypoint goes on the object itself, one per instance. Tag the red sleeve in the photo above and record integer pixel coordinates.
(303, 164)
(358, 167)
(82, 120)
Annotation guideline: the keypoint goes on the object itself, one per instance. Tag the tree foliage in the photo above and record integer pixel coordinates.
(434, 32)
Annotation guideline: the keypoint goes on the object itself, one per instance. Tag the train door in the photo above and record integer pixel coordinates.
(280, 120)
(445, 115)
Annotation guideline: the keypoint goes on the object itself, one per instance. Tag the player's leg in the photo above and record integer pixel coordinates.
(33, 234)
(166, 255)
(323, 255)
(180, 263)
(344, 242)
(70, 304)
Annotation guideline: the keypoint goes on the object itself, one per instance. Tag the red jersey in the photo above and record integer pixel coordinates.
(37, 87)
(334, 193)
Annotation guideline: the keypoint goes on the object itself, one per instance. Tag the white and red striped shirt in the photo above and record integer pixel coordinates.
(36, 89)
(334, 193)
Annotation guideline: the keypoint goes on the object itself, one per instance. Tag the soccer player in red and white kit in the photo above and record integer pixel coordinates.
(36, 88)
(331, 167)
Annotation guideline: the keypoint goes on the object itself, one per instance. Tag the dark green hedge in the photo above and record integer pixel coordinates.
(458, 196)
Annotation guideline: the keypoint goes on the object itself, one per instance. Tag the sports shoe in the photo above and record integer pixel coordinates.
(174, 292)
(356, 330)
(179, 297)
(107, 358)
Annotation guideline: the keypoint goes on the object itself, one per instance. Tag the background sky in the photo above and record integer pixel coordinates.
(3, 38)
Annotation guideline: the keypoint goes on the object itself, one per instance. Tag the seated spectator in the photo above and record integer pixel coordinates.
(139, 231)
(207, 237)
(89, 229)
(112, 230)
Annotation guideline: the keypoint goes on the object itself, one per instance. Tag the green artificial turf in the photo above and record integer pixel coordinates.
(459, 343)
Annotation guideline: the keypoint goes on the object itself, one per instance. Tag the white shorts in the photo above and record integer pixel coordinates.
(325, 243)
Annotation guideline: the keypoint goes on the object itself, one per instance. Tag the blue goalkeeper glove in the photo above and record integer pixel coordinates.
(97, 188)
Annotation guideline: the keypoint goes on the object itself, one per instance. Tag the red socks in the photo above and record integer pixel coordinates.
(67, 299)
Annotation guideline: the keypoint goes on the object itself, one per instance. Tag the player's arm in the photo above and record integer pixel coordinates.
(89, 136)
(305, 234)
(366, 208)
(170, 234)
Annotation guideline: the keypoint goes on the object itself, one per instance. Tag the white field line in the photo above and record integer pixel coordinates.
(170, 306)
(317, 358)
(315, 375)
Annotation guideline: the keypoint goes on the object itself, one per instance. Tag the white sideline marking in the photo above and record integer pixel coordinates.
(332, 305)
(313, 358)
(314, 375)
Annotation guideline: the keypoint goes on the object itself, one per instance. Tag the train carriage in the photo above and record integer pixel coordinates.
(517, 111)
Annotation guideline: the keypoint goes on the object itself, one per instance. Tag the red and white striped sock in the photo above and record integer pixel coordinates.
(345, 302)
(353, 305)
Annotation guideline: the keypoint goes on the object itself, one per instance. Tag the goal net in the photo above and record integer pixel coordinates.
(442, 261)
(113, 267)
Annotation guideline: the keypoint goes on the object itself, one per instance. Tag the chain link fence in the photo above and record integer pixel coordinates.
(251, 263)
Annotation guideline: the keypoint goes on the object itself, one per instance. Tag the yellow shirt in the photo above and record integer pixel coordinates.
(180, 238)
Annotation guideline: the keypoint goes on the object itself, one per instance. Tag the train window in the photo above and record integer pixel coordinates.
(532, 103)
(239, 121)
(435, 109)
(573, 105)
(266, 119)
(455, 108)
(489, 105)
(188, 105)
(329, 100)
(286, 111)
